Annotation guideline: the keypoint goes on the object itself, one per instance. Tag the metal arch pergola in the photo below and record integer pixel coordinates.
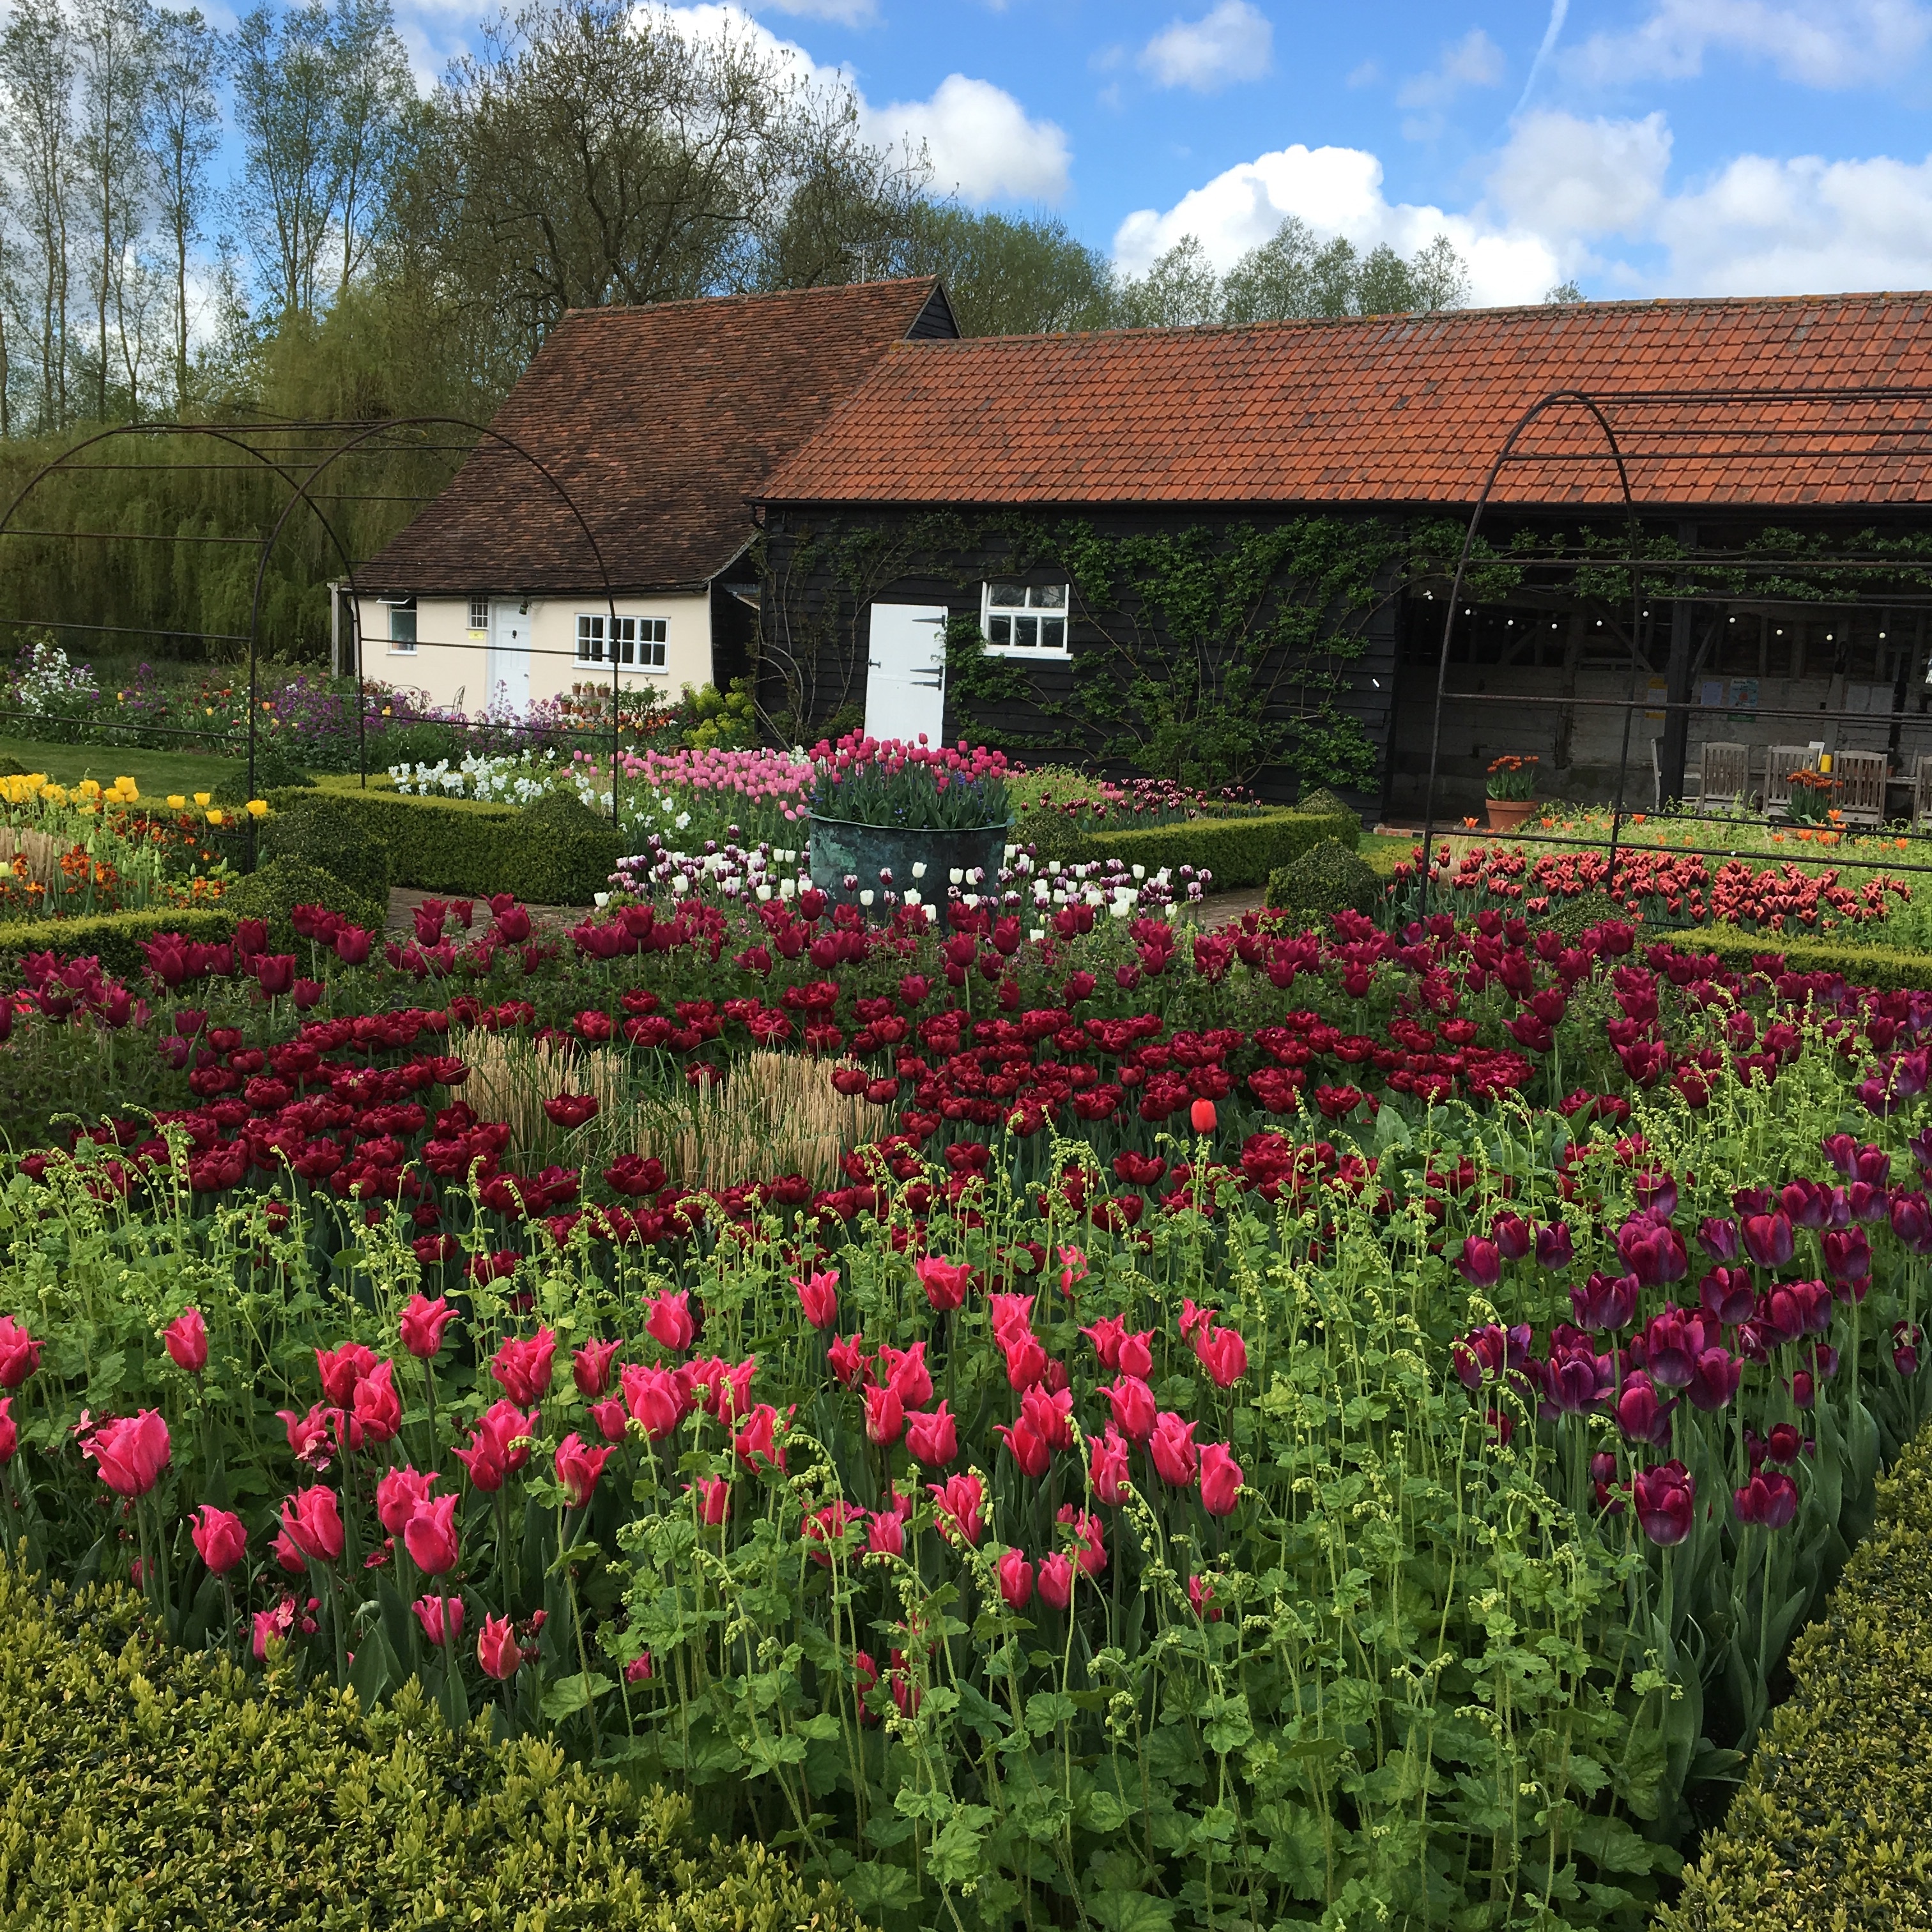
(334, 441)
(1660, 427)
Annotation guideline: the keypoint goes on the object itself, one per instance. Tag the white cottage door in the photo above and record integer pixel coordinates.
(508, 672)
(905, 678)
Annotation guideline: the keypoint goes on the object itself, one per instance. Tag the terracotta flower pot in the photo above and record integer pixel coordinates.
(1507, 814)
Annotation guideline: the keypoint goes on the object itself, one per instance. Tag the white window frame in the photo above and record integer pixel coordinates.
(641, 644)
(402, 618)
(1004, 623)
(479, 616)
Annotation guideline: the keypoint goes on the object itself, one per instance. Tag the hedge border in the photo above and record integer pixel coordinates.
(113, 937)
(1829, 1827)
(476, 847)
(1241, 853)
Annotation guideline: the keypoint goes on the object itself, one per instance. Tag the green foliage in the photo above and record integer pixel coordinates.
(1327, 878)
(272, 892)
(1240, 852)
(1829, 1828)
(1574, 917)
(1888, 968)
(726, 720)
(274, 771)
(1008, 275)
(322, 829)
(168, 1790)
(556, 852)
(114, 938)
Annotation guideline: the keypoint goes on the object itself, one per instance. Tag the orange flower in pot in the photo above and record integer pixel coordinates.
(1512, 789)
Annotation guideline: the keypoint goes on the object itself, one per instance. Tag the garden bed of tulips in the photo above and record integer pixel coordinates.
(1196, 1427)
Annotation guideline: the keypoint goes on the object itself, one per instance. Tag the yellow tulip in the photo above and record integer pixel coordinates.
(176, 801)
(127, 787)
(257, 807)
(215, 817)
(203, 797)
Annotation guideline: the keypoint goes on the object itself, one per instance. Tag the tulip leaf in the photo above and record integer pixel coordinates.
(375, 1668)
(568, 1695)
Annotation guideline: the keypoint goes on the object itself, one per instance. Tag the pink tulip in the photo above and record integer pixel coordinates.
(522, 1367)
(341, 1370)
(1056, 1572)
(945, 1282)
(959, 1498)
(10, 1431)
(1107, 1466)
(1172, 1447)
(654, 1399)
(399, 1493)
(220, 1538)
(422, 1323)
(669, 1322)
(1220, 1479)
(312, 1523)
(932, 1437)
(1027, 1449)
(578, 1468)
(714, 1500)
(885, 1417)
(185, 1339)
(818, 1297)
(1016, 1580)
(430, 1536)
(19, 1353)
(378, 1408)
(441, 1619)
(496, 1649)
(1089, 1536)
(130, 1452)
(1134, 1407)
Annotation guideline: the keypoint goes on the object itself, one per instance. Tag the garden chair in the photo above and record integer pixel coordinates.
(1693, 780)
(1779, 762)
(1859, 787)
(1922, 794)
(1725, 771)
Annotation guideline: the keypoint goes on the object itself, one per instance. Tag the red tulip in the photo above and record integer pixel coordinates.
(1057, 1571)
(522, 1367)
(19, 1353)
(818, 1296)
(959, 1498)
(1107, 1466)
(1027, 1450)
(1016, 1580)
(1201, 1595)
(312, 1523)
(379, 1409)
(130, 1452)
(1220, 1479)
(654, 1399)
(9, 1432)
(945, 1282)
(1133, 1405)
(1026, 1360)
(1665, 1501)
(219, 1536)
(430, 1536)
(1172, 1446)
(185, 1339)
(422, 1322)
(885, 1535)
(578, 1468)
(496, 1649)
(1089, 1537)
(341, 1370)
(848, 1360)
(590, 1368)
(931, 1438)
(714, 1500)
(1201, 1116)
(757, 1444)
(399, 1493)
(441, 1619)
(1223, 1353)
(669, 1321)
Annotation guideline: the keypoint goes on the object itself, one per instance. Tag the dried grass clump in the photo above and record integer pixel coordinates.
(774, 1114)
(511, 1077)
(43, 853)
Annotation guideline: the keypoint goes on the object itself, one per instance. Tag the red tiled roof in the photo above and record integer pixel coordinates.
(1396, 409)
(660, 422)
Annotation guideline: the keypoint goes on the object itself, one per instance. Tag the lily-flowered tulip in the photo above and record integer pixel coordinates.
(818, 1297)
(313, 1523)
(960, 1499)
(220, 1538)
(1223, 1354)
(130, 1452)
(441, 1619)
(1172, 1447)
(885, 1417)
(1026, 1448)
(399, 1493)
(1665, 1498)
(1201, 1598)
(932, 1437)
(590, 1367)
(1220, 1479)
(905, 1372)
(422, 1322)
(670, 1321)
(848, 1359)
(378, 1408)
(430, 1536)
(19, 1353)
(10, 1431)
(1026, 1360)
(714, 1500)
(578, 1467)
(885, 1534)
(185, 1338)
(341, 1370)
(756, 1444)
(1107, 1464)
(522, 1367)
(945, 1282)
(497, 1650)
(1056, 1572)
(1016, 1580)
(1090, 1546)
(653, 1396)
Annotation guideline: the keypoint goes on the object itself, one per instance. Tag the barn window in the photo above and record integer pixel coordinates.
(637, 643)
(1028, 619)
(403, 626)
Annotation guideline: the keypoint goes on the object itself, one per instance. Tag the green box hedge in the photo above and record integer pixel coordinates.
(1240, 852)
(1329, 878)
(114, 937)
(1832, 1827)
(556, 852)
(147, 1788)
(1890, 969)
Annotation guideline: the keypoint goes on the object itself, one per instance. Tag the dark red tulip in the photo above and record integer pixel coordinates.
(1767, 1239)
(1666, 1498)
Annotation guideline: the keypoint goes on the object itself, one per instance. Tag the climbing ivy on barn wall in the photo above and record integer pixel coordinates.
(1207, 654)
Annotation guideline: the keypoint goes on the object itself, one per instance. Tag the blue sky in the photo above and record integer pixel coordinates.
(1644, 147)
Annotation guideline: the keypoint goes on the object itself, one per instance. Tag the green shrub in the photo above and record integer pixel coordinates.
(1239, 852)
(1322, 803)
(273, 891)
(1889, 969)
(1830, 1828)
(1327, 878)
(274, 771)
(556, 852)
(1574, 917)
(12, 768)
(163, 1789)
(112, 938)
(323, 830)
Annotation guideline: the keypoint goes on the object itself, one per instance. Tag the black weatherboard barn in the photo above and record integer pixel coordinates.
(1224, 554)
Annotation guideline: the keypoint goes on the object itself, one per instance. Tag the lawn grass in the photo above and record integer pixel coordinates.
(157, 773)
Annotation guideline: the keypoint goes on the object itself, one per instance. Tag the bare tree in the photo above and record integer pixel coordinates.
(115, 45)
(37, 75)
(184, 132)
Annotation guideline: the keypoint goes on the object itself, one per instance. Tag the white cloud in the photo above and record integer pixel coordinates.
(1474, 60)
(1830, 43)
(983, 145)
(843, 13)
(1235, 42)
(1801, 227)
(1564, 177)
(1337, 191)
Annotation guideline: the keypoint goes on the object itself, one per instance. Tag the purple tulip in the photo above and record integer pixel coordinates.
(1842, 1151)
(1769, 1499)
(1641, 1416)
(1605, 1302)
(1808, 1202)
(1868, 1202)
(1576, 1378)
(1848, 1259)
(1718, 1238)
(1656, 1195)
(1479, 1264)
(1727, 1295)
(1905, 1340)
(1652, 1252)
(1512, 1235)
(1768, 1239)
(1921, 1145)
(1752, 1200)
(1911, 1221)
(1555, 1248)
(1803, 1393)
(1666, 1500)
(1715, 1379)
